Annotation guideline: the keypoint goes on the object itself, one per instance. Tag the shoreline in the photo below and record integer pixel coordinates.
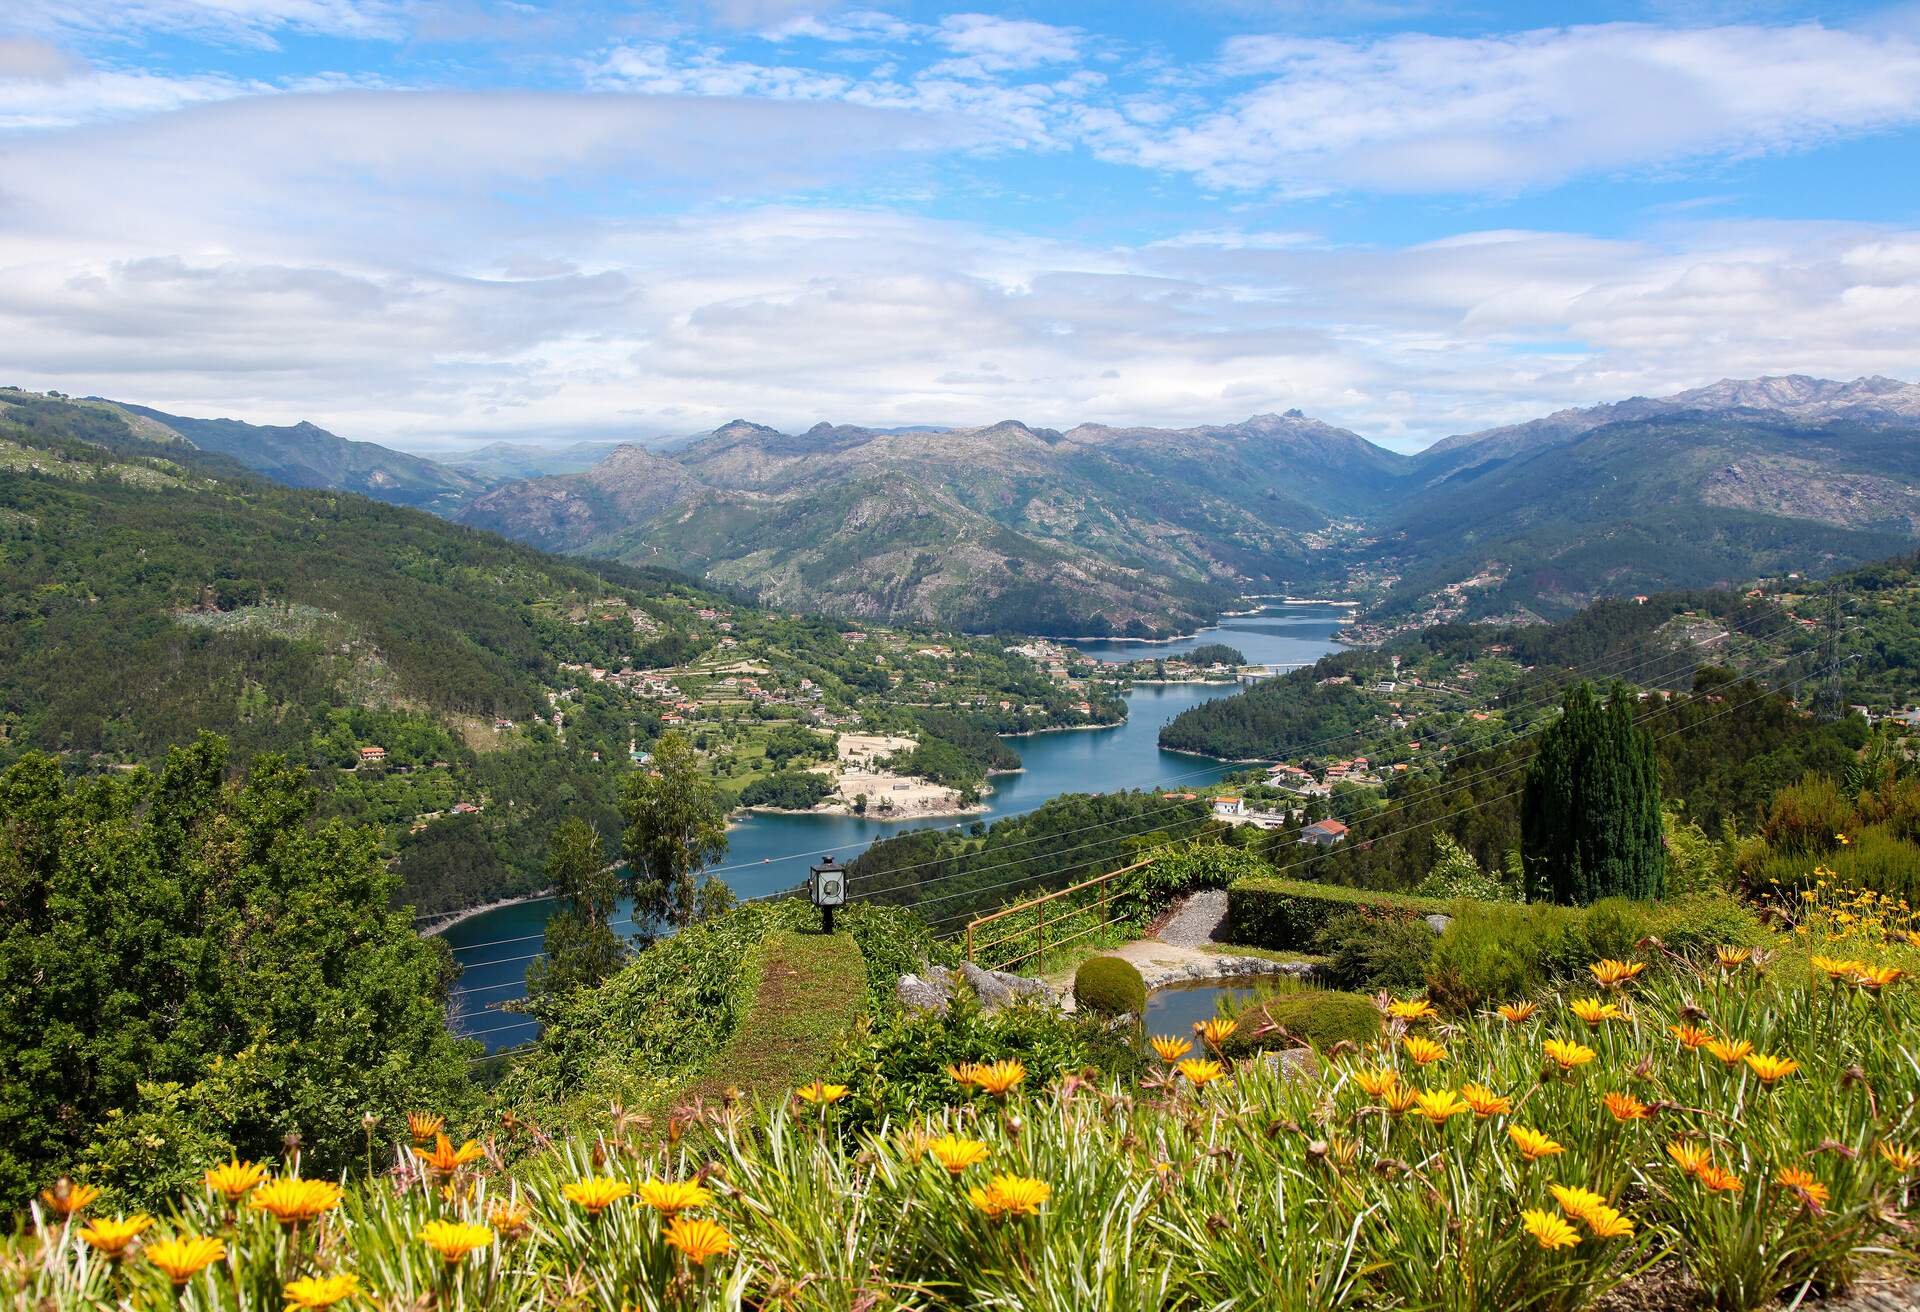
(448, 919)
(1277, 600)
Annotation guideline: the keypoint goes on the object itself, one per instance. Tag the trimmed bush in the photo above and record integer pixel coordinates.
(1368, 950)
(1318, 1018)
(1110, 986)
(1267, 911)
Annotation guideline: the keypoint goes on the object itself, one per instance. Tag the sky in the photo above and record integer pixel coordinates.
(436, 223)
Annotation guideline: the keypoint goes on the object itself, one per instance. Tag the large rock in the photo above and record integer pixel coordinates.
(1438, 923)
(997, 988)
(932, 992)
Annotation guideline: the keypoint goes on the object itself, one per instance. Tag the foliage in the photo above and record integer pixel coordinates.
(1275, 718)
(1456, 874)
(1267, 911)
(1590, 811)
(189, 964)
(1698, 862)
(1215, 653)
(1376, 949)
(676, 826)
(790, 790)
(581, 948)
(1110, 986)
(1315, 1018)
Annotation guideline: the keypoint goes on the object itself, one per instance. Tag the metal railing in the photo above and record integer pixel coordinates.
(1039, 905)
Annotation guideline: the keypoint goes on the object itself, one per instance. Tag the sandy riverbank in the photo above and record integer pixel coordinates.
(447, 920)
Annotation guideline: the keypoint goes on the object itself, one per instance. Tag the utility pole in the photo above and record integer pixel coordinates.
(1830, 706)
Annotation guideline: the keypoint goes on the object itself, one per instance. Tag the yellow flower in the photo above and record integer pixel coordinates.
(453, 1240)
(672, 1197)
(111, 1235)
(1608, 1223)
(445, 1159)
(1439, 1104)
(1170, 1048)
(1515, 1012)
(1400, 1099)
(1875, 978)
(1717, 1180)
(510, 1219)
(821, 1094)
(1593, 1011)
(1484, 1101)
(963, 1074)
(313, 1292)
(1730, 1052)
(233, 1179)
(999, 1078)
(1215, 1031)
(1900, 1157)
(1838, 967)
(1769, 1068)
(67, 1197)
(424, 1125)
(1412, 1010)
(1690, 1036)
(1689, 1157)
(596, 1193)
(1375, 1083)
(186, 1256)
(1532, 1144)
(1201, 1073)
(1576, 1202)
(1626, 1107)
(1010, 1195)
(700, 1239)
(1843, 840)
(1609, 973)
(1568, 1055)
(292, 1200)
(1423, 1051)
(1732, 958)
(1802, 1182)
(957, 1154)
(1549, 1230)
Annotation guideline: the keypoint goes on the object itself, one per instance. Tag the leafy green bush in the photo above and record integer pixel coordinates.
(1369, 950)
(1181, 869)
(789, 790)
(1266, 911)
(1110, 986)
(1318, 1018)
(1456, 874)
(1872, 857)
(1806, 818)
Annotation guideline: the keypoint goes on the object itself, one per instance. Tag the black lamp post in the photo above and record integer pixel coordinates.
(827, 889)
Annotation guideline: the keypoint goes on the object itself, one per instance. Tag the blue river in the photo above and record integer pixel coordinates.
(772, 852)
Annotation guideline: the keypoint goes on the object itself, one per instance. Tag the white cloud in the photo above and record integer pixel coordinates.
(239, 22)
(987, 44)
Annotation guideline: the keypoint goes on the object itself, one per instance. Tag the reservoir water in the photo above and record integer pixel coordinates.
(772, 852)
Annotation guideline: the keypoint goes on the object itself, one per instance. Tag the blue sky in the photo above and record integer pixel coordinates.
(435, 222)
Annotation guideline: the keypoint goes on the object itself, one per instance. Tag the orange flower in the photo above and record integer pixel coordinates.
(821, 1094)
(1215, 1031)
(1440, 1104)
(1412, 1010)
(1838, 967)
(1718, 1181)
(1170, 1049)
(1607, 1223)
(1515, 1012)
(1375, 1083)
(1399, 1099)
(1900, 1158)
(999, 1078)
(424, 1125)
(1576, 1202)
(1626, 1107)
(453, 1240)
(1568, 1055)
(511, 1219)
(596, 1193)
(1423, 1051)
(234, 1178)
(66, 1197)
(1731, 958)
(292, 1200)
(700, 1240)
(1201, 1073)
(1010, 1195)
(1690, 1036)
(1595, 1012)
(1484, 1101)
(1731, 1052)
(957, 1154)
(186, 1256)
(111, 1235)
(963, 1073)
(1689, 1157)
(444, 1159)
(314, 1292)
(1771, 1069)
(1875, 978)
(1803, 1183)
(1609, 973)
(1532, 1144)
(672, 1197)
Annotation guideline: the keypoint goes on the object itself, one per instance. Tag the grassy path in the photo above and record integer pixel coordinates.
(812, 988)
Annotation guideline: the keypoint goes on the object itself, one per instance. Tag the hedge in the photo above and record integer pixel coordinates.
(1266, 911)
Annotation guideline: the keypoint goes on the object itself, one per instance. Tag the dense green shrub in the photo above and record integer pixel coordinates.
(1267, 911)
(1807, 818)
(1456, 874)
(1369, 950)
(1318, 1018)
(1110, 986)
(789, 790)
(1872, 857)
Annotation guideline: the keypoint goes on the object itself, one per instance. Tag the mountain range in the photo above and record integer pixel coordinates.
(1143, 531)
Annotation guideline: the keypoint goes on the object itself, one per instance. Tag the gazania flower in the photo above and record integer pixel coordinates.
(232, 1179)
(453, 1240)
(596, 1193)
(313, 1292)
(1689, 1157)
(1412, 1010)
(66, 1197)
(185, 1257)
(1609, 973)
(1576, 1202)
(1216, 1030)
(1837, 967)
(424, 1125)
(1608, 1223)
(444, 1159)
(1532, 1144)
(1399, 1099)
(1718, 1180)
(1440, 1104)
(1548, 1230)
(510, 1219)
(700, 1239)
(1375, 1083)
(1875, 978)
(821, 1094)
(957, 1154)
(1731, 1052)
(1900, 1157)
(999, 1078)
(1690, 1036)
(1843, 840)
(1568, 1055)
(1484, 1101)
(1201, 1073)
(1515, 1012)
(962, 1073)
(1423, 1051)
(1770, 1068)
(672, 1197)
(1010, 1195)
(1595, 1012)
(1802, 1182)
(1732, 958)
(1170, 1048)
(112, 1234)
(292, 1200)
(1626, 1107)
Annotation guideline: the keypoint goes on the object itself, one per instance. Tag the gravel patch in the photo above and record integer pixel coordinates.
(1195, 921)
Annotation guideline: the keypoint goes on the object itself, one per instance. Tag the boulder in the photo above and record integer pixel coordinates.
(1296, 1063)
(931, 993)
(997, 988)
(1438, 923)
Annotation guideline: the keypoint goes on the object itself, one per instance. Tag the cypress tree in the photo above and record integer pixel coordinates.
(1590, 811)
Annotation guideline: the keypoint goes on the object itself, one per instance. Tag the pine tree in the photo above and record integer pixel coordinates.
(1590, 811)
(676, 826)
(581, 947)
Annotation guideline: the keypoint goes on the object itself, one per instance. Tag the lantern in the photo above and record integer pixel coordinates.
(827, 889)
